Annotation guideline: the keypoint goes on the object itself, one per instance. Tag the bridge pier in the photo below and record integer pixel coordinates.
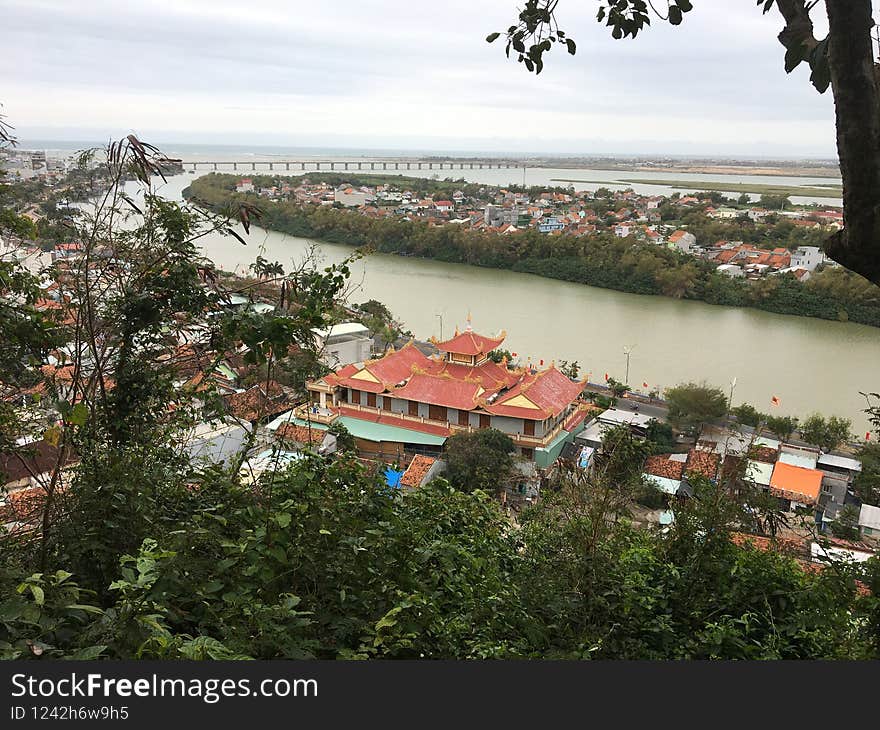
(234, 165)
(215, 165)
(384, 165)
(271, 165)
(286, 165)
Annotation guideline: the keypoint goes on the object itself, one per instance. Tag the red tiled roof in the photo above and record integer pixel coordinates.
(704, 463)
(470, 343)
(299, 434)
(549, 390)
(416, 471)
(663, 466)
(257, 402)
(441, 391)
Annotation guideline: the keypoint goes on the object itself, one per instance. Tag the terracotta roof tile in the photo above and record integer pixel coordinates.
(417, 470)
(662, 466)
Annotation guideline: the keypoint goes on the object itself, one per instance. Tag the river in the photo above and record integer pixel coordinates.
(808, 364)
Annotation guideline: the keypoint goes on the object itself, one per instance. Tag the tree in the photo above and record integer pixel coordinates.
(660, 436)
(618, 389)
(825, 433)
(691, 404)
(846, 524)
(748, 415)
(480, 460)
(781, 426)
(774, 202)
(843, 60)
(867, 482)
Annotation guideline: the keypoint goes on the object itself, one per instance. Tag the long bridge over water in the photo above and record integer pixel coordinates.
(349, 164)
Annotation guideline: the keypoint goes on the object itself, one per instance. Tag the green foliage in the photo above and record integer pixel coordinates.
(47, 616)
(660, 436)
(748, 415)
(827, 433)
(479, 460)
(691, 404)
(781, 426)
(867, 482)
(846, 524)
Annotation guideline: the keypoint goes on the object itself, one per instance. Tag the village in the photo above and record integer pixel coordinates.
(654, 219)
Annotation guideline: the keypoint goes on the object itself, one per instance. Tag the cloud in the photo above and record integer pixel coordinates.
(370, 73)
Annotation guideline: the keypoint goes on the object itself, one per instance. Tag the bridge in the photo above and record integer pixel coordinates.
(193, 165)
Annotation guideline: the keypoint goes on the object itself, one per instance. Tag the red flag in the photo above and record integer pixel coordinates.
(644, 385)
(867, 436)
(542, 362)
(774, 401)
(606, 377)
(514, 354)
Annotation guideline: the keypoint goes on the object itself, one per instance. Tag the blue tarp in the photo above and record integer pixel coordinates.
(393, 477)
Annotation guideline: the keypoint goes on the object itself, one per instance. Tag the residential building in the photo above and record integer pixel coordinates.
(807, 257)
(343, 344)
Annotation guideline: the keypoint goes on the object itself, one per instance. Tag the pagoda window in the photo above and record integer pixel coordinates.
(356, 397)
(485, 420)
(371, 400)
(436, 413)
(413, 408)
(528, 427)
(463, 418)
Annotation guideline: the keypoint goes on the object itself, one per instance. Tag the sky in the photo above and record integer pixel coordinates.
(404, 74)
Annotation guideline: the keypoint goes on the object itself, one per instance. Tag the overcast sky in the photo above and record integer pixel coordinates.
(403, 74)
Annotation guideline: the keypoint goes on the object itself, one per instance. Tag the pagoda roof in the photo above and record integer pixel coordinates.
(491, 375)
(382, 373)
(537, 396)
(470, 343)
(441, 390)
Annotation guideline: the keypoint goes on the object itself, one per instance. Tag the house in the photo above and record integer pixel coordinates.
(731, 270)
(353, 197)
(665, 471)
(444, 206)
(797, 486)
(216, 442)
(343, 344)
(807, 257)
(421, 470)
(869, 520)
(245, 185)
(260, 401)
(682, 240)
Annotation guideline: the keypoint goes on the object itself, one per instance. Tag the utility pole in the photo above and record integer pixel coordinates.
(627, 351)
(440, 317)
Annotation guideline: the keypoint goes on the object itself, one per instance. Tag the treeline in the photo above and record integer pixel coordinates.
(603, 260)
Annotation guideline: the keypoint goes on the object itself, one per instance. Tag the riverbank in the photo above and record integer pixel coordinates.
(603, 260)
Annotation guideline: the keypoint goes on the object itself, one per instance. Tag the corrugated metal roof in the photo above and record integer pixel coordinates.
(842, 462)
(869, 516)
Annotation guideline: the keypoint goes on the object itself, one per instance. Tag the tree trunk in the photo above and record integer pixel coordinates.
(854, 82)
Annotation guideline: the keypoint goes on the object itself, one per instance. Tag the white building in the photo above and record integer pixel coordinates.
(245, 185)
(807, 257)
(343, 344)
(731, 270)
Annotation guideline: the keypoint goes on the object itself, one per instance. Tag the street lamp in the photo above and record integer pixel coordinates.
(627, 351)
